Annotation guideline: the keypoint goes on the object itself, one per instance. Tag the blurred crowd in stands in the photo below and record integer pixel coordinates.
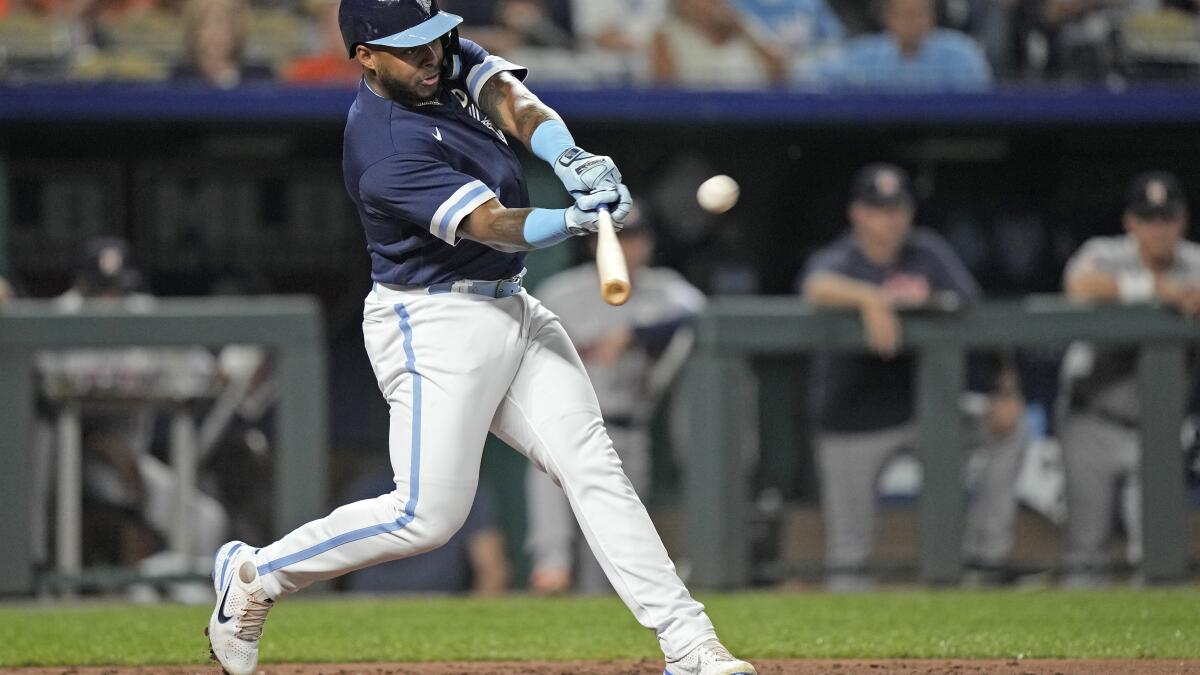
(711, 44)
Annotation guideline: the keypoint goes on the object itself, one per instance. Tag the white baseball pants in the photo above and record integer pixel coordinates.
(452, 367)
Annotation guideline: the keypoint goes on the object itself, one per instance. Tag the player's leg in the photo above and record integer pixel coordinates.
(442, 363)
(633, 448)
(993, 510)
(1091, 448)
(552, 534)
(850, 465)
(550, 414)
(1129, 461)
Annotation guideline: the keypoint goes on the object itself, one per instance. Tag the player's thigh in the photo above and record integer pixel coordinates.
(443, 363)
(550, 407)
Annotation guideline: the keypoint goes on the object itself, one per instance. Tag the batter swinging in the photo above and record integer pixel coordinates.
(457, 346)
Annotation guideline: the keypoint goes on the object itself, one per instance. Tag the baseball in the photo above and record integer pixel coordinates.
(718, 194)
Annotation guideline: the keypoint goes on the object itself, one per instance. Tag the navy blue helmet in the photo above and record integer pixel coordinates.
(400, 23)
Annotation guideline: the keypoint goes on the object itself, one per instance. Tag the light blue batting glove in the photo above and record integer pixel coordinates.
(581, 172)
(584, 218)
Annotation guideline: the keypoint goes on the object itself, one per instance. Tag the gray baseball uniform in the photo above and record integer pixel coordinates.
(1098, 414)
(864, 412)
(661, 301)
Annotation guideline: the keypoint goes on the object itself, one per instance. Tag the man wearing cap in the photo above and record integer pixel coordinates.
(630, 353)
(1098, 401)
(863, 403)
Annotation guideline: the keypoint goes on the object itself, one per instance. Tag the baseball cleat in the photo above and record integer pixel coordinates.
(242, 605)
(710, 658)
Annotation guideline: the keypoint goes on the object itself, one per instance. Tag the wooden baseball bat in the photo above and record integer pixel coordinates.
(610, 263)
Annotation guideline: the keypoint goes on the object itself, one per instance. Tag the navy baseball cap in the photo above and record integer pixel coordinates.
(881, 184)
(1155, 195)
(393, 23)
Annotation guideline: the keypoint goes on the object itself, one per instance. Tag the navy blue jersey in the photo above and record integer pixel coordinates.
(855, 392)
(415, 173)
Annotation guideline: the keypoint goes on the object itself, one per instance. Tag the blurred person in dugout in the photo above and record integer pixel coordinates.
(864, 404)
(911, 53)
(326, 63)
(474, 560)
(215, 36)
(1098, 401)
(128, 493)
(707, 44)
(631, 354)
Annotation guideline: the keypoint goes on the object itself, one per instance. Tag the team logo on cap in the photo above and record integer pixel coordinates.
(426, 5)
(1156, 193)
(110, 261)
(887, 183)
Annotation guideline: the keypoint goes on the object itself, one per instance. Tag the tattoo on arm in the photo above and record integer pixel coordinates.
(499, 228)
(510, 104)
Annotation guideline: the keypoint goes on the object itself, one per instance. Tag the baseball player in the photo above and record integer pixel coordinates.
(630, 353)
(457, 346)
(1098, 401)
(864, 402)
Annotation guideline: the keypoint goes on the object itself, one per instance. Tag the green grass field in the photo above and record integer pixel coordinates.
(950, 624)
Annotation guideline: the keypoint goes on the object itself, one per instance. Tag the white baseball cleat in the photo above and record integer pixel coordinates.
(242, 605)
(710, 658)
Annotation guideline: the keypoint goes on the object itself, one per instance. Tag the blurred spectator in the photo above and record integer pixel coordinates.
(511, 25)
(631, 354)
(911, 54)
(128, 493)
(707, 44)
(1083, 37)
(215, 35)
(864, 404)
(622, 26)
(1163, 42)
(473, 561)
(6, 291)
(1098, 402)
(802, 27)
(330, 64)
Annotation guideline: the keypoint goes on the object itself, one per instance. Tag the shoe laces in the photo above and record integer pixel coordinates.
(712, 651)
(250, 626)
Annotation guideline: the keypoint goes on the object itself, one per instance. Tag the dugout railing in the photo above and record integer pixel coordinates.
(291, 327)
(723, 395)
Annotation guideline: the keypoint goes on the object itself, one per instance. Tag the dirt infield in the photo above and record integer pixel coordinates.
(648, 667)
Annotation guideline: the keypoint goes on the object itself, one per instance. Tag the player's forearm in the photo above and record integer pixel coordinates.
(1093, 287)
(835, 290)
(511, 105)
(512, 230)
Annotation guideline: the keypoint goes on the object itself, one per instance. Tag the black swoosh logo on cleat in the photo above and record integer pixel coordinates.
(222, 617)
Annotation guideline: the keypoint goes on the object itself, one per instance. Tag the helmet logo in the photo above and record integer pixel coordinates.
(425, 5)
(1156, 193)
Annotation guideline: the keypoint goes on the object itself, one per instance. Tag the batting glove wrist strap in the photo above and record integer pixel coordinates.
(546, 227)
(550, 140)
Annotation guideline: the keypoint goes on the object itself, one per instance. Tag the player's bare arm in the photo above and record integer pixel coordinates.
(498, 227)
(514, 230)
(513, 107)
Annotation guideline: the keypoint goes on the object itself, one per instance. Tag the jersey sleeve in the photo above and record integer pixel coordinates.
(1097, 256)
(952, 274)
(479, 66)
(425, 191)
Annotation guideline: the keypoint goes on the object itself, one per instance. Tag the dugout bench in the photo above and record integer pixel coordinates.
(291, 326)
(733, 331)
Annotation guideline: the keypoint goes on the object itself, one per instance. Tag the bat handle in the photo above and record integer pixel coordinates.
(610, 262)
